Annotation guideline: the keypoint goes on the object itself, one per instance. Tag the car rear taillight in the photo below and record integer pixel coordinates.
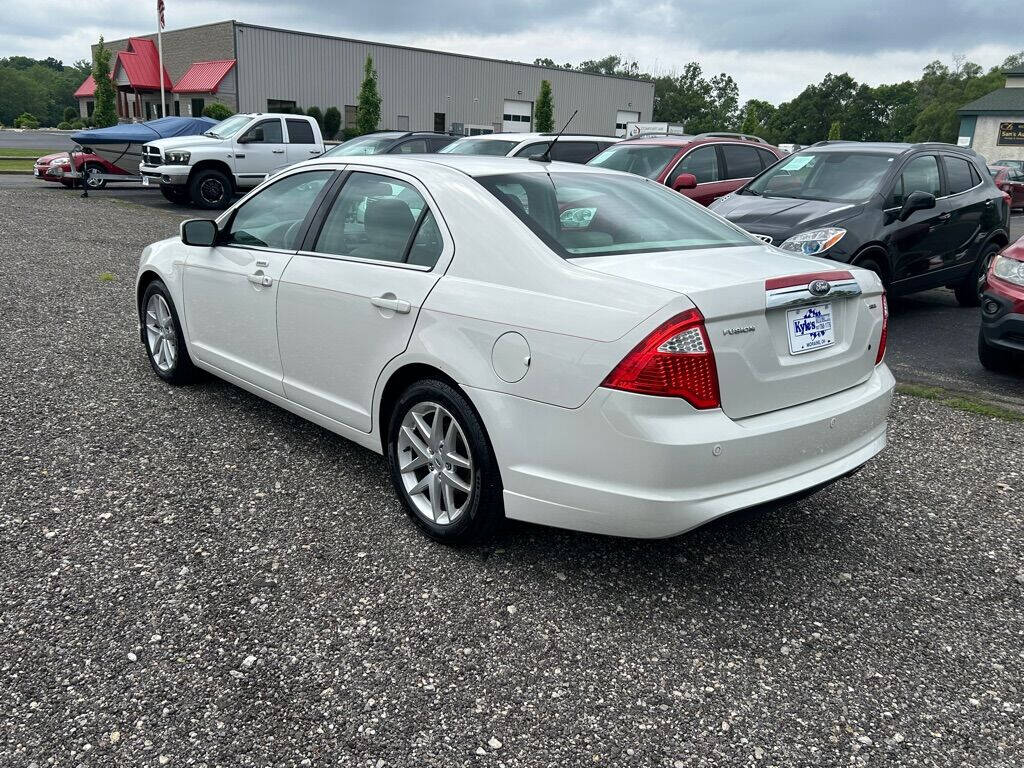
(675, 360)
(885, 331)
(1006, 198)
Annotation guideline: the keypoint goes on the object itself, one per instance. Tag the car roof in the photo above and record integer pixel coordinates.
(682, 140)
(471, 165)
(517, 137)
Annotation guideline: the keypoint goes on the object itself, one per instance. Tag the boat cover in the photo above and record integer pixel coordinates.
(140, 133)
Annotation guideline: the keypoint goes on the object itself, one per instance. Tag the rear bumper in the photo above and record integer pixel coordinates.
(650, 467)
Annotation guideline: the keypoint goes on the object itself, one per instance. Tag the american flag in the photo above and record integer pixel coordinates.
(160, 12)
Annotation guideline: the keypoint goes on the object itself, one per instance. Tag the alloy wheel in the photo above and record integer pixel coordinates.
(212, 191)
(161, 336)
(435, 463)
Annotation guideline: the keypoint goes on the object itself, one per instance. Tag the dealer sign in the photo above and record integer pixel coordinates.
(1011, 133)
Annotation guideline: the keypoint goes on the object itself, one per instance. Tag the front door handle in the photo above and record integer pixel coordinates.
(260, 279)
(314, 151)
(395, 305)
(945, 217)
(277, 151)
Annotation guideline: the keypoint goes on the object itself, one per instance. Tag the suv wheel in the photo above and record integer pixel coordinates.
(211, 189)
(969, 290)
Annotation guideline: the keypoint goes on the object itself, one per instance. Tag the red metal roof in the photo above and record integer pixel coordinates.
(86, 89)
(204, 76)
(141, 63)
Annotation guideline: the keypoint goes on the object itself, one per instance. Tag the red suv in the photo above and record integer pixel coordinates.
(703, 167)
(1001, 340)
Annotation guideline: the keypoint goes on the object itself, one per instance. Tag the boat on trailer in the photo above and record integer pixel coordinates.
(121, 145)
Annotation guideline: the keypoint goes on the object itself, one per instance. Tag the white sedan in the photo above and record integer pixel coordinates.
(541, 341)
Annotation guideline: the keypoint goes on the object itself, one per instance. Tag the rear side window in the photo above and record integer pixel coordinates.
(416, 146)
(702, 163)
(919, 175)
(300, 132)
(768, 159)
(741, 162)
(959, 176)
(574, 151)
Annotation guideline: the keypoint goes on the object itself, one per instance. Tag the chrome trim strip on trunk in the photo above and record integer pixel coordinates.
(800, 295)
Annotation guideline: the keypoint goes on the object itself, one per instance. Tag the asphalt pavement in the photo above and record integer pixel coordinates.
(53, 141)
(192, 576)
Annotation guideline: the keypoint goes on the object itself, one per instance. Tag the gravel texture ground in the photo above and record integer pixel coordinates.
(194, 577)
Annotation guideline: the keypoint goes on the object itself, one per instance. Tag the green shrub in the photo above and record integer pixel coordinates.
(77, 125)
(25, 120)
(317, 115)
(70, 113)
(63, 125)
(217, 111)
(332, 122)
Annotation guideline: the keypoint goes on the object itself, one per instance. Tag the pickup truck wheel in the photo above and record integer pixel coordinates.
(176, 195)
(211, 189)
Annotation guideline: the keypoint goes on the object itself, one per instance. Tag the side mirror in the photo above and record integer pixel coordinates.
(200, 232)
(916, 201)
(684, 181)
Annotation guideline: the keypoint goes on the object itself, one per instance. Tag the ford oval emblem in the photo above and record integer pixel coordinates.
(819, 287)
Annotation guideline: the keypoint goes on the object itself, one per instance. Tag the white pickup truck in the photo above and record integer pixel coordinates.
(234, 155)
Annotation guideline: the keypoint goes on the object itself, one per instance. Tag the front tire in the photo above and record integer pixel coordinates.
(442, 465)
(968, 291)
(873, 264)
(211, 189)
(162, 337)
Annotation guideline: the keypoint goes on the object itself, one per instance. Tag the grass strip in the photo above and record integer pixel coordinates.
(960, 401)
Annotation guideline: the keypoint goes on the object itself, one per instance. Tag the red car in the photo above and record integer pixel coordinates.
(1011, 181)
(54, 167)
(703, 167)
(1001, 340)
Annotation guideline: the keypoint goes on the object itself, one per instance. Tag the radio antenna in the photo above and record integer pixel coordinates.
(546, 157)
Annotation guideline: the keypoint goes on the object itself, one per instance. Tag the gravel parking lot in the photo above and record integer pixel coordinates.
(193, 576)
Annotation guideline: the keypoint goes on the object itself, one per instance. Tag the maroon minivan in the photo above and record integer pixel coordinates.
(703, 167)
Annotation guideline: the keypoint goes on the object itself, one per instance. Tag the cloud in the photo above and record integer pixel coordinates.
(772, 49)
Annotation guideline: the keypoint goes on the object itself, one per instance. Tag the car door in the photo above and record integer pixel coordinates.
(231, 290)
(1015, 180)
(258, 151)
(742, 163)
(918, 245)
(967, 204)
(702, 162)
(301, 141)
(349, 299)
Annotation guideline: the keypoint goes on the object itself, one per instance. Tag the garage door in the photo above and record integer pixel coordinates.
(622, 117)
(517, 116)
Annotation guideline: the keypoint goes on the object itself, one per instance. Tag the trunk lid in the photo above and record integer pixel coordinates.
(750, 297)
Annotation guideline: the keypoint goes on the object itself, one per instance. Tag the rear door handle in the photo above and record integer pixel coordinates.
(260, 279)
(395, 305)
(314, 151)
(945, 217)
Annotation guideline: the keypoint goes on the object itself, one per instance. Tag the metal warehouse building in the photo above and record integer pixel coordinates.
(250, 68)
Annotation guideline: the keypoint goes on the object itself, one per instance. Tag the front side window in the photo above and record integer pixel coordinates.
(380, 218)
(838, 176)
(265, 132)
(702, 163)
(959, 174)
(641, 159)
(273, 217)
(741, 162)
(300, 132)
(471, 146)
(919, 175)
(583, 214)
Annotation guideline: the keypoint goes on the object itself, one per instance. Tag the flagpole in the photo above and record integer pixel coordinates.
(160, 48)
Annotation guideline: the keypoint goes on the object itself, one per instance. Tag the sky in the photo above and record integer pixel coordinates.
(772, 49)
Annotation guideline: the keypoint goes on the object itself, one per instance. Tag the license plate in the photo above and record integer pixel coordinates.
(145, 181)
(810, 328)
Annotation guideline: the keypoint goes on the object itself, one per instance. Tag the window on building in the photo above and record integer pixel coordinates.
(300, 132)
(89, 107)
(402, 123)
(351, 117)
(439, 122)
(281, 105)
(198, 105)
(177, 108)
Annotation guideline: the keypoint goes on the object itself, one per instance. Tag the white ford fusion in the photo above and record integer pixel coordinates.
(540, 341)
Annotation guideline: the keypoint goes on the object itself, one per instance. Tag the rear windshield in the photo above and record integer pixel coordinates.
(642, 159)
(364, 145)
(479, 147)
(597, 214)
(846, 177)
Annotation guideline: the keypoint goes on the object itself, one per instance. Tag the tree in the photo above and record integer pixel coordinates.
(217, 111)
(104, 113)
(368, 113)
(70, 113)
(834, 131)
(754, 117)
(545, 111)
(317, 115)
(332, 122)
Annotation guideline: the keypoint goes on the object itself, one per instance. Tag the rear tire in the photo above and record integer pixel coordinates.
(968, 291)
(442, 464)
(162, 337)
(176, 195)
(211, 189)
(993, 358)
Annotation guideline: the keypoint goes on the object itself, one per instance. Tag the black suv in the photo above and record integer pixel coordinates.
(920, 215)
(393, 143)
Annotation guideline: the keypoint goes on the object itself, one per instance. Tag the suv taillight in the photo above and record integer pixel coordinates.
(885, 331)
(675, 360)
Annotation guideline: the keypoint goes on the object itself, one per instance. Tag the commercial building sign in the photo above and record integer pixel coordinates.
(1011, 133)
